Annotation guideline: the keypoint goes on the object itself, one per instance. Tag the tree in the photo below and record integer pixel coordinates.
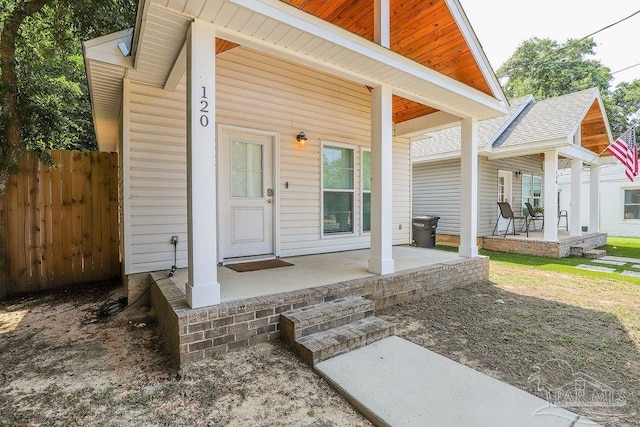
(43, 88)
(545, 68)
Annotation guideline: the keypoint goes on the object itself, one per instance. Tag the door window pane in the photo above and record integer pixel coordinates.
(246, 169)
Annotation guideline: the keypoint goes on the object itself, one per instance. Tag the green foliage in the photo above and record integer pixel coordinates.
(545, 68)
(53, 98)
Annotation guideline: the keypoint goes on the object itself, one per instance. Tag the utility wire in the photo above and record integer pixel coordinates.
(625, 69)
(574, 42)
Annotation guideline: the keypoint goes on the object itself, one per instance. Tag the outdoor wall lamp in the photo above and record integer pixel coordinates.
(518, 173)
(302, 138)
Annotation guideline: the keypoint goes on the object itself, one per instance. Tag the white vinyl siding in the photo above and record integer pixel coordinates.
(256, 91)
(436, 190)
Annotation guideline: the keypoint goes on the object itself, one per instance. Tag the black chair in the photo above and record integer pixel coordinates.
(532, 217)
(563, 214)
(507, 213)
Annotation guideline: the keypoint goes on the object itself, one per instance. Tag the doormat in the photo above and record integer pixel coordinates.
(258, 265)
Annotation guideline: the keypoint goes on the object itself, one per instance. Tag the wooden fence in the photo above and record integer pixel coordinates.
(60, 224)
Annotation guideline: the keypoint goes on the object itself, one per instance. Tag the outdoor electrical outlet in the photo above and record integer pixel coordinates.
(174, 240)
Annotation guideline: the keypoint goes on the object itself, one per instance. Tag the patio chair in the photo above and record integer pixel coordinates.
(563, 214)
(507, 213)
(532, 216)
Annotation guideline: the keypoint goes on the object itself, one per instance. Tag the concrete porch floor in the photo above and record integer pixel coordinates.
(310, 271)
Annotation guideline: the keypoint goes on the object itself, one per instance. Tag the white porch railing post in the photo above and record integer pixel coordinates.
(381, 261)
(202, 287)
(550, 196)
(594, 199)
(469, 189)
(575, 223)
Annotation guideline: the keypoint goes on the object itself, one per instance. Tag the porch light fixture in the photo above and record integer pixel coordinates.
(518, 173)
(302, 138)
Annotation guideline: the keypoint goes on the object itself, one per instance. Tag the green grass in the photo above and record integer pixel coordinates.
(617, 246)
(623, 246)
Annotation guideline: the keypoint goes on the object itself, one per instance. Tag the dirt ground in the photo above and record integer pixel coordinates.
(568, 339)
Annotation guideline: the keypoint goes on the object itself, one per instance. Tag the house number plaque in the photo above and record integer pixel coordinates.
(204, 108)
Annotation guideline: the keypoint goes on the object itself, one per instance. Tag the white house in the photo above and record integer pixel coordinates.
(204, 100)
(619, 201)
(519, 156)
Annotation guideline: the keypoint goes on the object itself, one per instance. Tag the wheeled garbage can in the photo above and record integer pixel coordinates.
(424, 231)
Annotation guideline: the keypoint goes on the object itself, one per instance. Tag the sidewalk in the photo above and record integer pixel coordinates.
(395, 382)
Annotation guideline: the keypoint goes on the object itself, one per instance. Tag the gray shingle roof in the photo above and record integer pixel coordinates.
(551, 118)
(447, 140)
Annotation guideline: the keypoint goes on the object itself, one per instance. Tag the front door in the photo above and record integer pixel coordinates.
(245, 194)
(504, 195)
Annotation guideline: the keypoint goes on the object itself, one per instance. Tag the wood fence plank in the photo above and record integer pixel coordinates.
(4, 277)
(76, 215)
(105, 246)
(96, 216)
(13, 244)
(47, 232)
(57, 259)
(114, 215)
(66, 211)
(22, 235)
(87, 261)
(36, 206)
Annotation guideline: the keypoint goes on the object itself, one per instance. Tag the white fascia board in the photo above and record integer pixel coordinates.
(429, 123)
(451, 155)
(178, 70)
(476, 49)
(300, 20)
(580, 153)
(489, 147)
(105, 49)
(528, 148)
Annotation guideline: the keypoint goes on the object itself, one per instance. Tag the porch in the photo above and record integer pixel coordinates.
(251, 302)
(535, 244)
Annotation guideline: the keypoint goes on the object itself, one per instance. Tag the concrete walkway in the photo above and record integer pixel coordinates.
(395, 382)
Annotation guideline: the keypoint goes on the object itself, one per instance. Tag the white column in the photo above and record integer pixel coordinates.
(469, 189)
(575, 223)
(550, 196)
(202, 288)
(594, 199)
(381, 23)
(381, 261)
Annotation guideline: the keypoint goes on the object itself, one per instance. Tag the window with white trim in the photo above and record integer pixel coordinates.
(366, 191)
(337, 189)
(632, 204)
(532, 190)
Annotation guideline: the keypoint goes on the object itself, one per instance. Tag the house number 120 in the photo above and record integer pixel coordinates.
(204, 108)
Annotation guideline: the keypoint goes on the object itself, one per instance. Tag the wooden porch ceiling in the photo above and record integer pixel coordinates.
(424, 31)
(593, 130)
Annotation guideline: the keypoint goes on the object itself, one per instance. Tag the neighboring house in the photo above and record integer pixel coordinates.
(206, 113)
(518, 154)
(619, 201)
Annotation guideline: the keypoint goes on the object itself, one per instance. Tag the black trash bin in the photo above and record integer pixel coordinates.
(424, 231)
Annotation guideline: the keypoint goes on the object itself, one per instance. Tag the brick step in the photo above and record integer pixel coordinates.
(579, 249)
(595, 253)
(324, 345)
(305, 321)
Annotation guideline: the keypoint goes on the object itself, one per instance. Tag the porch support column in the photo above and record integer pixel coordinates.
(594, 199)
(550, 196)
(381, 25)
(202, 288)
(575, 223)
(469, 189)
(381, 261)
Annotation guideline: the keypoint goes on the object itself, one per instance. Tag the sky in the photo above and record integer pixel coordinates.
(502, 25)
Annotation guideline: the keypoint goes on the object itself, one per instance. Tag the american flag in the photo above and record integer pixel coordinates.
(626, 151)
